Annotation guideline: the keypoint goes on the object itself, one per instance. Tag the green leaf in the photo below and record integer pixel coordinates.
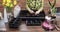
(9, 9)
(54, 3)
(50, 3)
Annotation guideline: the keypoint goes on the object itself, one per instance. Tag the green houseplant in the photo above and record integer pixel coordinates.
(53, 8)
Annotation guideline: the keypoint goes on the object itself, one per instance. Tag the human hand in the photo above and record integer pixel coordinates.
(31, 11)
(37, 12)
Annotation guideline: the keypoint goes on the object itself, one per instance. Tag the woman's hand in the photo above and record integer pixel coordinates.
(37, 12)
(31, 11)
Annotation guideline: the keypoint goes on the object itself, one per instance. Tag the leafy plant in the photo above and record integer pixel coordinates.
(52, 5)
(9, 4)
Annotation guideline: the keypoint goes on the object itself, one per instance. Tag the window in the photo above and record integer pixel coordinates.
(58, 9)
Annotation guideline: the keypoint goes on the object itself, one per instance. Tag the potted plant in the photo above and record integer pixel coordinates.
(8, 4)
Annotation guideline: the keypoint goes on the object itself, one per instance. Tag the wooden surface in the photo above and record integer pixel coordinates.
(24, 28)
